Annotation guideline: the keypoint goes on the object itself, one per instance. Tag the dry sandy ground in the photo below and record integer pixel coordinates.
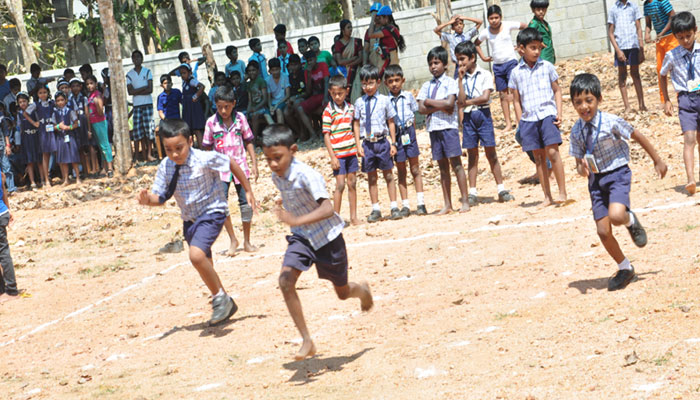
(508, 301)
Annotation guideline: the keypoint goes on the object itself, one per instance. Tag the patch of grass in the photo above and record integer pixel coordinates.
(662, 360)
(119, 265)
(689, 227)
(105, 390)
(501, 316)
(677, 304)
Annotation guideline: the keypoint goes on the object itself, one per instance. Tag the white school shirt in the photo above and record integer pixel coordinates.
(140, 80)
(502, 48)
(478, 82)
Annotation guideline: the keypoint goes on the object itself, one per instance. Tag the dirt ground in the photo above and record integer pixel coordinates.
(508, 301)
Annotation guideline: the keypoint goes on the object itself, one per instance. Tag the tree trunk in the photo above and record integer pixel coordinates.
(246, 18)
(443, 10)
(117, 76)
(268, 18)
(348, 12)
(182, 25)
(203, 37)
(137, 32)
(17, 12)
(425, 3)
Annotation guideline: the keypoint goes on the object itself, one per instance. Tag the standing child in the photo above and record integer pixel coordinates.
(192, 94)
(78, 103)
(475, 86)
(503, 56)
(98, 121)
(374, 127)
(297, 89)
(625, 33)
(303, 46)
(280, 31)
(6, 135)
(36, 81)
(192, 176)
(599, 142)
(8, 284)
(258, 99)
(28, 123)
(405, 106)
(139, 84)
(537, 94)
(283, 57)
(240, 91)
(457, 35)
(47, 138)
(340, 144)
(683, 64)
(316, 237)
(659, 13)
(321, 56)
(278, 87)
(234, 63)
(65, 120)
(539, 9)
(438, 99)
(219, 81)
(11, 97)
(107, 97)
(227, 132)
(169, 100)
(258, 57)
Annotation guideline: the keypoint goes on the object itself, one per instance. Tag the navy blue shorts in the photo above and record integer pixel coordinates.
(632, 57)
(689, 111)
(404, 152)
(377, 156)
(609, 187)
(445, 144)
(477, 127)
(501, 73)
(331, 260)
(348, 165)
(537, 135)
(202, 233)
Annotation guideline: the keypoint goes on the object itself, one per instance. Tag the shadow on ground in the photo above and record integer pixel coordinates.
(206, 330)
(308, 370)
(602, 283)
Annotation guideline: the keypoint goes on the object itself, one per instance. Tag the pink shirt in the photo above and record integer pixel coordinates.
(229, 141)
(92, 108)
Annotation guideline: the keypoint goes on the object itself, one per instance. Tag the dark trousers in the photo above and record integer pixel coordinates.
(7, 280)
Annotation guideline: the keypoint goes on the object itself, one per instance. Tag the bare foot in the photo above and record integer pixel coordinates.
(465, 207)
(690, 188)
(445, 210)
(547, 202)
(643, 109)
(248, 247)
(78, 182)
(355, 222)
(366, 301)
(308, 349)
(627, 110)
(562, 198)
(65, 183)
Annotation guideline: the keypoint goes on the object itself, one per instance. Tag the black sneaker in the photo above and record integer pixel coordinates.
(405, 212)
(472, 200)
(505, 196)
(224, 307)
(374, 216)
(12, 292)
(420, 210)
(395, 213)
(621, 279)
(639, 235)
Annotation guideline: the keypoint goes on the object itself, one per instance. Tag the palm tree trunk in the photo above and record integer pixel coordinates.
(16, 10)
(137, 32)
(203, 38)
(182, 24)
(348, 12)
(268, 18)
(247, 18)
(117, 76)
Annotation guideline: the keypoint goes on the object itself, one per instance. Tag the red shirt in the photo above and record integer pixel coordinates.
(387, 41)
(290, 50)
(317, 75)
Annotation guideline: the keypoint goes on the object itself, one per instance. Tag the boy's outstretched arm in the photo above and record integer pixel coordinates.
(240, 175)
(659, 164)
(477, 43)
(250, 147)
(147, 198)
(323, 211)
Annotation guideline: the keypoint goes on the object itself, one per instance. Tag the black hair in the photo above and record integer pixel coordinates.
(68, 71)
(3, 67)
(182, 55)
(277, 135)
(135, 52)
(13, 108)
(225, 93)
(253, 64)
(279, 42)
(368, 72)
(302, 40)
(343, 24)
(539, 4)
(294, 58)
(683, 21)
(218, 74)
(230, 48)
(85, 67)
(392, 71)
(165, 77)
(438, 52)
(585, 83)
(233, 73)
(22, 95)
(310, 54)
(280, 28)
(494, 9)
(34, 67)
(91, 78)
(466, 48)
(337, 81)
(170, 128)
(59, 94)
(14, 82)
(253, 42)
(274, 63)
(401, 42)
(529, 35)
(105, 73)
(314, 39)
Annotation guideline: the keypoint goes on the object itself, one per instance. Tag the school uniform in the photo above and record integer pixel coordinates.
(262, 62)
(443, 127)
(477, 124)
(605, 138)
(238, 66)
(8, 284)
(502, 52)
(78, 103)
(31, 148)
(47, 138)
(405, 106)
(321, 242)
(142, 116)
(624, 18)
(454, 38)
(169, 103)
(336, 122)
(192, 112)
(199, 194)
(534, 85)
(373, 113)
(684, 68)
(67, 145)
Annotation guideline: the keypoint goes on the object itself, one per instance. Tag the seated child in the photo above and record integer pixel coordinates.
(240, 91)
(258, 113)
(297, 88)
(278, 88)
(219, 81)
(283, 57)
(316, 94)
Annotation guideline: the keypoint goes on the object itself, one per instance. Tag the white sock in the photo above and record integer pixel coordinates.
(406, 203)
(625, 264)
(375, 207)
(631, 219)
(420, 199)
(393, 205)
(501, 187)
(220, 293)
(473, 191)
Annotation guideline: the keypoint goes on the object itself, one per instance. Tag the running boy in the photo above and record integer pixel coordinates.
(539, 10)
(475, 87)
(538, 98)
(406, 144)
(437, 99)
(316, 237)
(457, 35)
(599, 142)
(340, 143)
(625, 34)
(683, 64)
(374, 127)
(192, 176)
(228, 132)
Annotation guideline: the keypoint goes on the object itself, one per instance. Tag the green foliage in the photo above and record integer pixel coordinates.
(334, 10)
(87, 29)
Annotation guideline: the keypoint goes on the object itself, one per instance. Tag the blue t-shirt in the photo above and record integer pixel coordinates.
(4, 90)
(170, 103)
(212, 91)
(238, 66)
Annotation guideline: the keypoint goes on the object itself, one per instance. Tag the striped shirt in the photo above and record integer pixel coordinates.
(337, 123)
(610, 147)
(624, 18)
(535, 88)
(301, 188)
(677, 62)
(658, 11)
(230, 141)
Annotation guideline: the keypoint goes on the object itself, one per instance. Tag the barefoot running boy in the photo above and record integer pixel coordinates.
(316, 237)
(599, 142)
(192, 176)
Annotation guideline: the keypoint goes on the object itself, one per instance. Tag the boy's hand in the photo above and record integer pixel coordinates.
(461, 71)
(393, 150)
(668, 108)
(360, 151)
(251, 201)
(661, 168)
(283, 215)
(195, 99)
(582, 169)
(335, 164)
(647, 37)
(8, 150)
(89, 134)
(621, 56)
(641, 55)
(488, 59)
(143, 197)
(254, 171)
(557, 121)
(62, 126)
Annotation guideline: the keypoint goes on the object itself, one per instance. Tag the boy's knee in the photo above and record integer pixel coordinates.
(492, 157)
(388, 176)
(617, 217)
(604, 233)
(340, 186)
(691, 137)
(351, 181)
(415, 170)
(197, 255)
(456, 163)
(372, 178)
(287, 281)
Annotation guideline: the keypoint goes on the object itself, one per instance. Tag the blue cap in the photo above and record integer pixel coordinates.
(386, 10)
(375, 7)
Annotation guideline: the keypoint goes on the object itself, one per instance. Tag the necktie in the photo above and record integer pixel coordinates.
(432, 96)
(368, 113)
(589, 138)
(691, 67)
(171, 186)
